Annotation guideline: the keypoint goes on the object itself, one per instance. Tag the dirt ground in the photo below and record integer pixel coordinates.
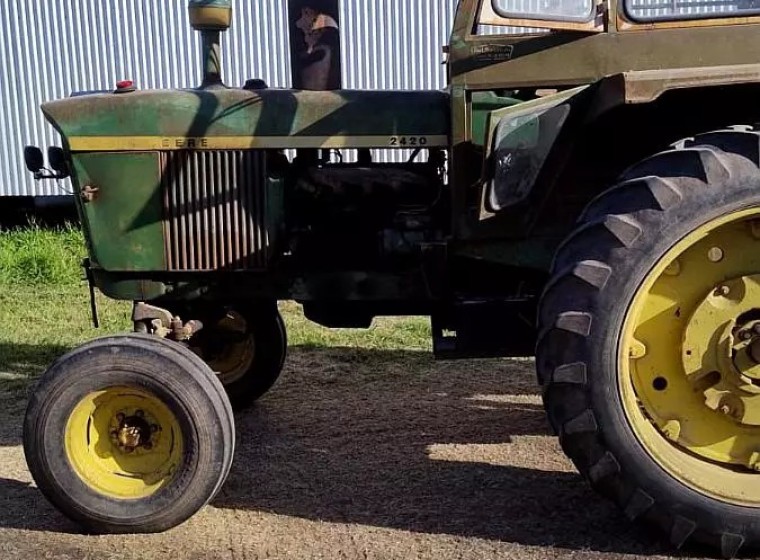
(364, 454)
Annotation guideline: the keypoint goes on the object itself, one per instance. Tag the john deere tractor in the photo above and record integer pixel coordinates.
(587, 189)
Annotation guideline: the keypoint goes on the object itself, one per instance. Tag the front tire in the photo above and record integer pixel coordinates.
(646, 327)
(129, 434)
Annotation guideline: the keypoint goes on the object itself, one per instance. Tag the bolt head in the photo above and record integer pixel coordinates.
(715, 254)
(723, 291)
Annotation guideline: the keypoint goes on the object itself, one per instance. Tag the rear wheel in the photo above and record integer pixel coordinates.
(649, 352)
(129, 434)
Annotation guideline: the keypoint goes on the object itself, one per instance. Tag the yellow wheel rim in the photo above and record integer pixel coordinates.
(124, 443)
(689, 385)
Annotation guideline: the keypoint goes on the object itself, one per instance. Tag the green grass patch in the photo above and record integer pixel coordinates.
(41, 257)
(44, 310)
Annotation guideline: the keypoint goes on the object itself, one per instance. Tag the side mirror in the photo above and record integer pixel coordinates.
(34, 159)
(58, 162)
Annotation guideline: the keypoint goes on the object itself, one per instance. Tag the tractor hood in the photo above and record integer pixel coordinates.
(218, 119)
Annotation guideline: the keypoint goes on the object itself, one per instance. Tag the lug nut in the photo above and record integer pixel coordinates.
(723, 291)
(745, 335)
(715, 254)
(139, 413)
(120, 418)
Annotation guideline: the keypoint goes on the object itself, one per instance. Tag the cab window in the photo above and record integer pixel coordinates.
(557, 10)
(664, 10)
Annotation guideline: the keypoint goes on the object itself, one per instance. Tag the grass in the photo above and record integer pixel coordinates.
(44, 309)
(41, 257)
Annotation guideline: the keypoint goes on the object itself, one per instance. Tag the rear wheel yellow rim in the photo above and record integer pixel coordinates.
(689, 386)
(124, 443)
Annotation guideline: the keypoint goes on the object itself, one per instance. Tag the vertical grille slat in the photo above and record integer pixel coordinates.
(215, 210)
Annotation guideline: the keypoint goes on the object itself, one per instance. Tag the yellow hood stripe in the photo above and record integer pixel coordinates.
(162, 143)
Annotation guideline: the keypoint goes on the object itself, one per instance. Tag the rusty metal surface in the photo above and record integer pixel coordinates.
(646, 86)
(215, 210)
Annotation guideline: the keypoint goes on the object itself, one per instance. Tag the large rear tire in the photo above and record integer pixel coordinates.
(647, 336)
(129, 434)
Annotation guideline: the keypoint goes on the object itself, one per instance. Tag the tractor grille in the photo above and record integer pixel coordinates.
(215, 210)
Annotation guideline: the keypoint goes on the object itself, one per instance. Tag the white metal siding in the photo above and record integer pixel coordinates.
(51, 48)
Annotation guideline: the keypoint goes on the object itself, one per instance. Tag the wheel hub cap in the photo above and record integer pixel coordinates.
(693, 352)
(720, 344)
(124, 442)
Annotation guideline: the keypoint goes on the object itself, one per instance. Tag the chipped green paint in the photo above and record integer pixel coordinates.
(124, 218)
(286, 116)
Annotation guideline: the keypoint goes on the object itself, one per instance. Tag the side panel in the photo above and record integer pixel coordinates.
(124, 218)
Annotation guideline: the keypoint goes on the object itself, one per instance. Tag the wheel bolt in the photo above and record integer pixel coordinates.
(139, 413)
(723, 291)
(120, 418)
(154, 428)
(715, 254)
(745, 335)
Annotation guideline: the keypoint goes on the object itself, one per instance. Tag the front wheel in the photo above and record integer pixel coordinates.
(650, 348)
(129, 434)
(246, 346)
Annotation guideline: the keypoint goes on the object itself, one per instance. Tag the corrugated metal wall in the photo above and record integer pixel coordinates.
(51, 48)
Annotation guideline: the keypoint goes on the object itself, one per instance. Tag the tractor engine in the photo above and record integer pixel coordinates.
(363, 213)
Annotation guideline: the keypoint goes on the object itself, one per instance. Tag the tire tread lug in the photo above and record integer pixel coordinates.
(584, 423)
(638, 504)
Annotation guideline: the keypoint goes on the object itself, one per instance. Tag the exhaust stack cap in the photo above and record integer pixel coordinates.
(210, 15)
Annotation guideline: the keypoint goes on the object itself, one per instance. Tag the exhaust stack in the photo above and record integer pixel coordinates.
(211, 18)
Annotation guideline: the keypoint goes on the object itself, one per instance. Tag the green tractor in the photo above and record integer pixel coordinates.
(589, 193)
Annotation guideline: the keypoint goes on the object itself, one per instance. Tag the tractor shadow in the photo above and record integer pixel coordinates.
(388, 439)
(20, 367)
(393, 439)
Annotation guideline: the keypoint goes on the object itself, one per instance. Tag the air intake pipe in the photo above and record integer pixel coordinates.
(211, 18)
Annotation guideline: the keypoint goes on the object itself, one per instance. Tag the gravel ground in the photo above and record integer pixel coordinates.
(364, 454)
